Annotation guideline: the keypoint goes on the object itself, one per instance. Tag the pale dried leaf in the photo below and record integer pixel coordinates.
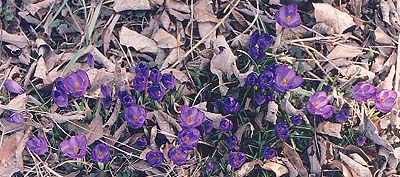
(76, 115)
(346, 50)
(292, 170)
(41, 70)
(356, 157)
(33, 8)
(329, 128)
(96, 128)
(358, 71)
(242, 129)
(144, 166)
(172, 58)
(277, 168)
(18, 103)
(338, 20)
(178, 9)
(388, 82)
(11, 154)
(372, 133)
(382, 37)
(246, 168)
(339, 165)
(121, 5)
(315, 166)
(378, 63)
(272, 111)
(295, 159)
(14, 39)
(160, 117)
(139, 42)
(287, 106)
(359, 169)
(165, 40)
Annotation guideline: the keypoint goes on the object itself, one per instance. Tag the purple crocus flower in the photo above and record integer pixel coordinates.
(154, 158)
(318, 104)
(135, 116)
(141, 142)
(253, 39)
(266, 79)
(178, 155)
(296, 120)
(126, 98)
(15, 117)
(106, 92)
(251, 79)
(207, 126)
(385, 100)
(342, 116)
(101, 153)
(288, 17)
(363, 91)
(37, 145)
(232, 142)
(260, 99)
(236, 159)
(257, 54)
(155, 76)
(156, 92)
(190, 117)
(188, 138)
(13, 86)
(139, 83)
(142, 70)
(231, 106)
(168, 80)
(59, 84)
(74, 147)
(225, 125)
(281, 131)
(209, 167)
(361, 141)
(268, 153)
(258, 44)
(60, 98)
(76, 83)
(286, 79)
(90, 60)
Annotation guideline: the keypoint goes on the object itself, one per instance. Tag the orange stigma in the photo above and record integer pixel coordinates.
(135, 118)
(288, 18)
(77, 85)
(284, 81)
(190, 119)
(77, 149)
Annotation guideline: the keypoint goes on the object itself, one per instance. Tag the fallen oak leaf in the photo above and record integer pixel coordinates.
(139, 42)
(327, 14)
(122, 5)
(277, 168)
(246, 168)
(295, 159)
(329, 128)
(359, 169)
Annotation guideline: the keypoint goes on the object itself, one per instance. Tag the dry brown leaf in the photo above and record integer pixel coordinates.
(287, 106)
(359, 169)
(204, 15)
(172, 58)
(11, 158)
(378, 63)
(161, 119)
(339, 165)
(178, 9)
(338, 20)
(295, 159)
(18, 103)
(372, 133)
(277, 168)
(165, 39)
(122, 5)
(346, 50)
(329, 128)
(272, 111)
(33, 8)
(96, 128)
(223, 62)
(358, 71)
(109, 32)
(315, 166)
(41, 69)
(139, 42)
(356, 157)
(388, 82)
(242, 129)
(144, 166)
(246, 168)
(14, 39)
(382, 37)
(76, 115)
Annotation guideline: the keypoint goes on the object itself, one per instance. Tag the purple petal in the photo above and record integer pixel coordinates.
(13, 86)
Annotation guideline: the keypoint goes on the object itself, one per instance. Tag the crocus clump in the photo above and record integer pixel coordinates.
(236, 159)
(74, 147)
(190, 117)
(168, 80)
(101, 153)
(231, 106)
(258, 43)
(268, 153)
(281, 131)
(76, 83)
(135, 116)
(286, 79)
(266, 79)
(188, 138)
(288, 16)
(154, 158)
(225, 125)
(126, 98)
(37, 145)
(318, 104)
(13, 86)
(156, 92)
(106, 92)
(178, 155)
(385, 100)
(232, 142)
(363, 91)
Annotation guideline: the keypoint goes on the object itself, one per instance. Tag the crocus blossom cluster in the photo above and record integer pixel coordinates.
(75, 84)
(318, 104)
(258, 43)
(384, 99)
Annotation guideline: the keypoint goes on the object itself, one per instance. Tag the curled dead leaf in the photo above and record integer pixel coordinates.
(272, 111)
(359, 169)
(295, 159)
(338, 20)
(139, 42)
(329, 128)
(246, 168)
